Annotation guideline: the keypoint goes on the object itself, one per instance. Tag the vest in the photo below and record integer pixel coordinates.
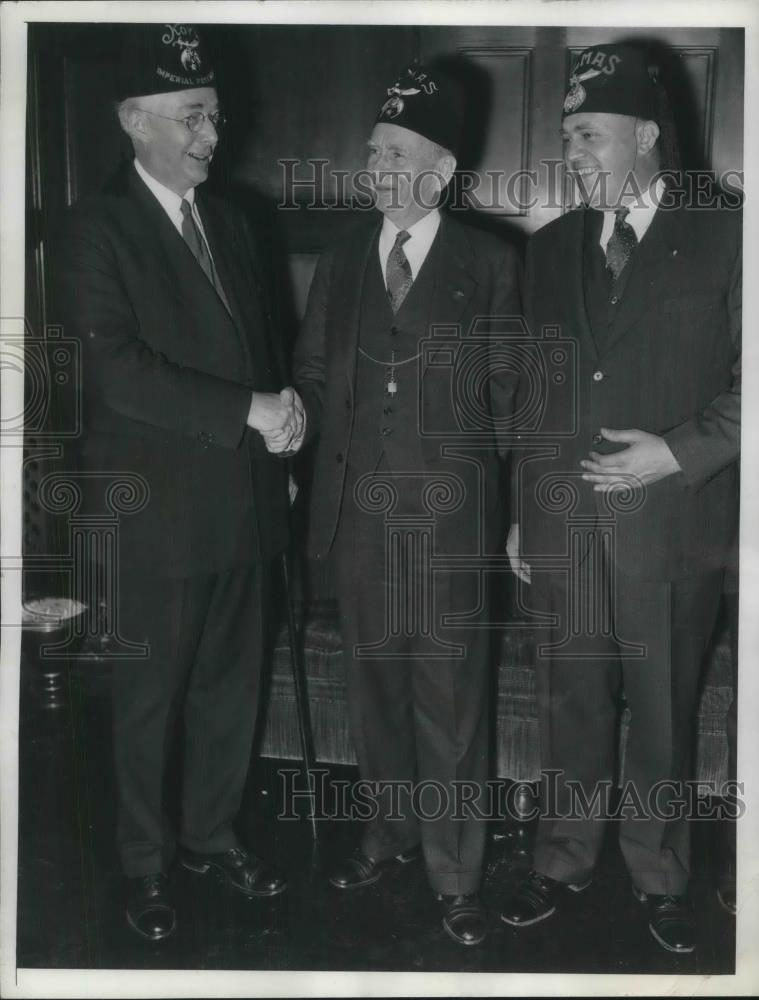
(385, 427)
(602, 293)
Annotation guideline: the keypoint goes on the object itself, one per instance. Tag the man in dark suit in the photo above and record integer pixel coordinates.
(402, 481)
(626, 515)
(165, 290)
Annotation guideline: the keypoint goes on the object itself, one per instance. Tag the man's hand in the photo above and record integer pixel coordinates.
(280, 419)
(646, 459)
(519, 568)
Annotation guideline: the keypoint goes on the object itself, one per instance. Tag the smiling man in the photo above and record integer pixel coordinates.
(417, 681)
(650, 290)
(181, 376)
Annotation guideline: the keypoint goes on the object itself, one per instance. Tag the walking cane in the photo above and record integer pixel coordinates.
(301, 691)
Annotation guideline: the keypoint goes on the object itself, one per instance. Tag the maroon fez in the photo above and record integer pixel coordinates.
(162, 58)
(426, 103)
(613, 79)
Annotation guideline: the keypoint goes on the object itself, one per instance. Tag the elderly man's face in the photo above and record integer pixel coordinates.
(601, 152)
(176, 157)
(407, 176)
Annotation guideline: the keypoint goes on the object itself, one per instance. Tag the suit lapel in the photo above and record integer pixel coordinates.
(455, 283)
(649, 264)
(574, 252)
(353, 258)
(183, 272)
(226, 256)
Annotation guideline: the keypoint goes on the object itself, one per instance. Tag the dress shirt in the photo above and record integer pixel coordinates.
(642, 211)
(171, 202)
(421, 237)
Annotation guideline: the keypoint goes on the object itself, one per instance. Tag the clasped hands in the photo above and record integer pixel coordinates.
(280, 419)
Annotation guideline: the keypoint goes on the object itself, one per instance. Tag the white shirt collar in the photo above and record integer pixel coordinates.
(642, 211)
(421, 237)
(170, 201)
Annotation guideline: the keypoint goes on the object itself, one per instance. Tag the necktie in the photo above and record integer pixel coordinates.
(622, 243)
(196, 242)
(398, 272)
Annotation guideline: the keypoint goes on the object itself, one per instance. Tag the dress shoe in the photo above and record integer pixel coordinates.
(670, 921)
(535, 899)
(149, 911)
(464, 918)
(726, 885)
(240, 869)
(358, 869)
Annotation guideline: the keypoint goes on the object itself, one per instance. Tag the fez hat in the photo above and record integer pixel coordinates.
(160, 59)
(614, 79)
(427, 103)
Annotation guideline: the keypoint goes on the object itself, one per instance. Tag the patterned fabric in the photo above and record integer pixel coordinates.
(622, 243)
(517, 753)
(398, 272)
(196, 242)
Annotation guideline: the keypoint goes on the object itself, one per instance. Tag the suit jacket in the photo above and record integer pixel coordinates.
(669, 365)
(168, 374)
(478, 279)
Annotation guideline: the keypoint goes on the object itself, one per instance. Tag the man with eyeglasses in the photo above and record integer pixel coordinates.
(182, 380)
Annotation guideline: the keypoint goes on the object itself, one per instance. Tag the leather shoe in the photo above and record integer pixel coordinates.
(238, 868)
(464, 918)
(535, 899)
(670, 921)
(149, 911)
(359, 870)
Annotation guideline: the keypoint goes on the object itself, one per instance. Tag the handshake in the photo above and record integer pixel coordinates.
(280, 419)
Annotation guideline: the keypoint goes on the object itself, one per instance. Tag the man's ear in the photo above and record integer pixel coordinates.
(646, 134)
(137, 124)
(446, 166)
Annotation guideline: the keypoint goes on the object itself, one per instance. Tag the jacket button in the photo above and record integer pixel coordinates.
(394, 330)
(202, 436)
(386, 431)
(339, 457)
(387, 409)
(598, 376)
(597, 439)
(614, 299)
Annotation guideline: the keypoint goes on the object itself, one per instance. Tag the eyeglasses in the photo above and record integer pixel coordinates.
(194, 122)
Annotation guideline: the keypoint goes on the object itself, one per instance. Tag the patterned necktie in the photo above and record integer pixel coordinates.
(622, 243)
(196, 242)
(398, 272)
